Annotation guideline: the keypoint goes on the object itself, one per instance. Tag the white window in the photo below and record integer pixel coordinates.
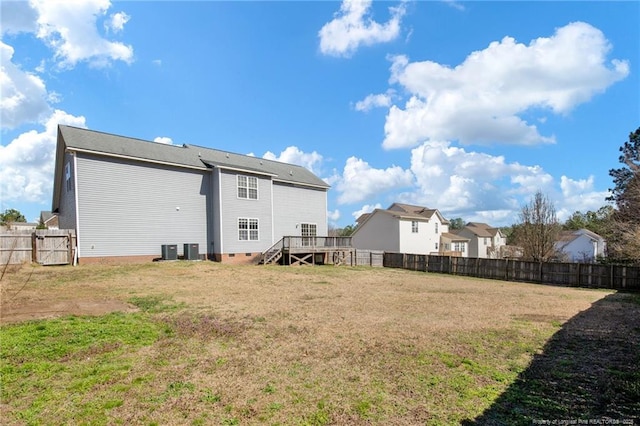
(459, 247)
(485, 241)
(248, 229)
(436, 246)
(308, 232)
(67, 177)
(248, 187)
(414, 226)
(436, 227)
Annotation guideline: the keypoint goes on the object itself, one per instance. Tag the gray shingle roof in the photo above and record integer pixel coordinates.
(183, 155)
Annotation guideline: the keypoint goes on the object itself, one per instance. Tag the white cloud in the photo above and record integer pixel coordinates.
(360, 181)
(117, 21)
(163, 139)
(454, 4)
(27, 162)
(352, 27)
(375, 101)
(480, 100)
(17, 17)
(579, 195)
(333, 216)
(24, 95)
(470, 184)
(70, 29)
(293, 155)
(367, 208)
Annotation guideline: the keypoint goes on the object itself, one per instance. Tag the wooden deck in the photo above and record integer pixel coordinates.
(309, 251)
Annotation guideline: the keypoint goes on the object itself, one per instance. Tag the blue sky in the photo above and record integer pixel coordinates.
(467, 107)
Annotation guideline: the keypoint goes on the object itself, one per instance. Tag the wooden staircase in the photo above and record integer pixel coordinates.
(272, 255)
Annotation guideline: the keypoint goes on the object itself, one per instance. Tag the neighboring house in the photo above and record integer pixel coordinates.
(403, 228)
(485, 241)
(126, 198)
(49, 220)
(580, 246)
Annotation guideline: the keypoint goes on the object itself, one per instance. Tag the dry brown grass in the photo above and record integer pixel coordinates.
(308, 345)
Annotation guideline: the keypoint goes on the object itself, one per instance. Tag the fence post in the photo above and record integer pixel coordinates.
(34, 248)
(506, 269)
(579, 274)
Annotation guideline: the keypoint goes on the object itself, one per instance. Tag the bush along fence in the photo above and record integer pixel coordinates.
(43, 246)
(586, 275)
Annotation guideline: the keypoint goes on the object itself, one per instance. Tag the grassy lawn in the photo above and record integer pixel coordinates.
(205, 343)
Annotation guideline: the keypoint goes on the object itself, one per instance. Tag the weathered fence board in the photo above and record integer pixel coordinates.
(368, 258)
(565, 274)
(16, 247)
(43, 246)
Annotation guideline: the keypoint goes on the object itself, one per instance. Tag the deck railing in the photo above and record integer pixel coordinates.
(316, 242)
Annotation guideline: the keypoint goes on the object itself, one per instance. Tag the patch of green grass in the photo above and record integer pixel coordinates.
(319, 417)
(155, 304)
(210, 397)
(57, 363)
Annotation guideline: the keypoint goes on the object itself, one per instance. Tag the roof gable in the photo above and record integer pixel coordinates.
(417, 211)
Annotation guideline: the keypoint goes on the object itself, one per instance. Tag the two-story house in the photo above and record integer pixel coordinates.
(405, 228)
(485, 242)
(127, 197)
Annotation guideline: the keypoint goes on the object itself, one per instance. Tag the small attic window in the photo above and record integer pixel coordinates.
(67, 177)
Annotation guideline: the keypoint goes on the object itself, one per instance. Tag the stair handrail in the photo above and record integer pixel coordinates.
(274, 248)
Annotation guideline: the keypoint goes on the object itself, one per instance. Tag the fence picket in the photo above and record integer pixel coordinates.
(589, 275)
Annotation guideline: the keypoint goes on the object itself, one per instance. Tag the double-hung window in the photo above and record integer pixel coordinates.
(248, 187)
(414, 226)
(248, 229)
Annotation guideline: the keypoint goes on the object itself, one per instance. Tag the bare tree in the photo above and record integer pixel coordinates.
(538, 230)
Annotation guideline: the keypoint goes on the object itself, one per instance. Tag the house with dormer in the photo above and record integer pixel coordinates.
(485, 241)
(405, 228)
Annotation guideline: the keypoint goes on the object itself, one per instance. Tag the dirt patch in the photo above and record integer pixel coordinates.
(11, 313)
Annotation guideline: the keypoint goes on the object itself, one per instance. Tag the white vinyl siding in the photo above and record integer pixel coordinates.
(132, 208)
(234, 207)
(293, 205)
(379, 232)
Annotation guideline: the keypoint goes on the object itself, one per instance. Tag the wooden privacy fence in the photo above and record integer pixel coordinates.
(365, 258)
(43, 246)
(566, 274)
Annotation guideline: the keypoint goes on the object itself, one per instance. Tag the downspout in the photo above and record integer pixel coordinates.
(220, 208)
(273, 226)
(75, 195)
